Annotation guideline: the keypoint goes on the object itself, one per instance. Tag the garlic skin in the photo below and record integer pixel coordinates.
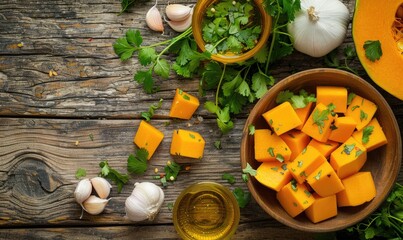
(144, 202)
(177, 12)
(154, 19)
(319, 27)
(83, 191)
(102, 187)
(95, 205)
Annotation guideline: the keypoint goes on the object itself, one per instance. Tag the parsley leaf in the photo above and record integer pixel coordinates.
(366, 132)
(81, 172)
(373, 50)
(242, 197)
(109, 173)
(230, 178)
(148, 115)
(137, 163)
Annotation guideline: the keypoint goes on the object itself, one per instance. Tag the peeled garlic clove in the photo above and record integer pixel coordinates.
(101, 186)
(154, 19)
(95, 205)
(177, 12)
(181, 26)
(144, 202)
(83, 190)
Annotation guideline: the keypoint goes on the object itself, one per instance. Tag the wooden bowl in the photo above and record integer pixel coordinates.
(384, 162)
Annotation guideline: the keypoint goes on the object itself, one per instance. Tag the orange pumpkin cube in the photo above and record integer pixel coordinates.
(303, 114)
(270, 147)
(318, 124)
(187, 144)
(183, 105)
(324, 180)
(148, 137)
(295, 198)
(296, 141)
(305, 163)
(349, 158)
(332, 94)
(358, 189)
(325, 148)
(371, 136)
(273, 175)
(282, 118)
(361, 110)
(342, 129)
(323, 208)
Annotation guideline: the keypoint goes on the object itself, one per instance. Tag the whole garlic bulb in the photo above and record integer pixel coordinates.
(144, 202)
(319, 27)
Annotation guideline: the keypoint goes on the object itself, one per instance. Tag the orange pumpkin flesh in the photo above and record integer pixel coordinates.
(373, 20)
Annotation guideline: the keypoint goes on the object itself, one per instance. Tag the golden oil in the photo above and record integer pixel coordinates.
(206, 210)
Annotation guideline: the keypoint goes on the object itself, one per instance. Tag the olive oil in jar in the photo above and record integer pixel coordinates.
(206, 211)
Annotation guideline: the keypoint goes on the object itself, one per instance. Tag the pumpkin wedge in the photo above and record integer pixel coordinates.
(375, 20)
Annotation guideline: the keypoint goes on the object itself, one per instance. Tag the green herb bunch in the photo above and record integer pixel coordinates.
(235, 85)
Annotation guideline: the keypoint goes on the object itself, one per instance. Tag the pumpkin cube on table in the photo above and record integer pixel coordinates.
(188, 144)
(148, 137)
(183, 105)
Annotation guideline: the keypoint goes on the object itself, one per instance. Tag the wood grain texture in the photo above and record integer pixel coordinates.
(42, 118)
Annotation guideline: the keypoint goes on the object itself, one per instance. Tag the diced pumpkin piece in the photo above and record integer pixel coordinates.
(305, 163)
(361, 110)
(325, 148)
(187, 144)
(296, 141)
(270, 147)
(349, 158)
(332, 94)
(371, 136)
(318, 124)
(323, 208)
(324, 180)
(183, 105)
(358, 189)
(282, 118)
(295, 198)
(273, 175)
(341, 129)
(148, 137)
(303, 114)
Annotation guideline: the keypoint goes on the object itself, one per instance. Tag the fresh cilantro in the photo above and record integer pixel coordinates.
(358, 152)
(366, 132)
(279, 157)
(373, 50)
(172, 170)
(217, 144)
(125, 4)
(81, 172)
(317, 176)
(284, 166)
(251, 129)
(271, 151)
(91, 136)
(118, 178)
(348, 148)
(248, 169)
(294, 185)
(332, 59)
(354, 107)
(350, 98)
(297, 101)
(242, 197)
(363, 115)
(245, 177)
(148, 115)
(274, 169)
(137, 163)
(319, 117)
(229, 177)
(300, 163)
(170, 206)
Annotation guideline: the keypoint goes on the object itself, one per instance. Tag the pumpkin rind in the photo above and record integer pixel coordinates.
(373, 20)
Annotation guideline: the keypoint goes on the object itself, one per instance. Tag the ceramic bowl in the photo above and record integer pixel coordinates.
(383, 162)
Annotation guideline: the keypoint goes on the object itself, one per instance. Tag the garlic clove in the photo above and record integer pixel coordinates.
(154, 19)
(101, 186)
(144, 202)
(95, 205)
(181, 26)
(83, 190)
(177, 12)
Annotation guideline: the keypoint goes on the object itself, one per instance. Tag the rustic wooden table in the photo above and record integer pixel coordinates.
(89, 112)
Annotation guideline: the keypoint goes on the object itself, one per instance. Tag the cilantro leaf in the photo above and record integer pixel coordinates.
(251, 129)
(125, 4)
(148, 115)
(147, 56)
(172, 170)
(134, 37)
(109, 173)
(366, 132)
(249, 169)
(260, 82)
(242, 197)
(162, 68)
(137, 163)
(373, 50)
(297, 101)
(350, 98)
(145, 78)
(229, 177)
(81, 172)
(123, 49)
(217, 144)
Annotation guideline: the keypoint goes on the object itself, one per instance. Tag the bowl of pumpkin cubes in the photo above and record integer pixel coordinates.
(323, 149)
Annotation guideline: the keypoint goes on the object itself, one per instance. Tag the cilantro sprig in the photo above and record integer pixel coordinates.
(148, 115)
(349, 55)
(297, 101)
(137, 163)
(109, 173)
(373, 50)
